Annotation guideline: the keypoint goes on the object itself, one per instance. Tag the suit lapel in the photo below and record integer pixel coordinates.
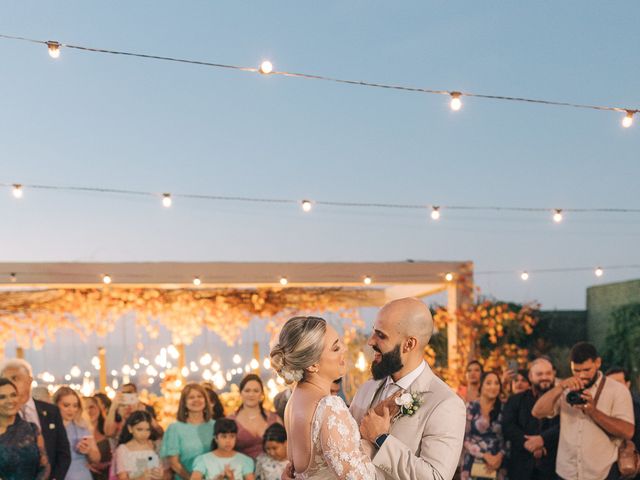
(419, 385)
(376, 392)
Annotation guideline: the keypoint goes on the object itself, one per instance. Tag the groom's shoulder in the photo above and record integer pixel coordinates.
(445, 393)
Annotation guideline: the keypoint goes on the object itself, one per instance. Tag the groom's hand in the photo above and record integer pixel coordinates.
(373, 425)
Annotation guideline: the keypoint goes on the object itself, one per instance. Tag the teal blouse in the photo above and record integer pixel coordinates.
(188, 441)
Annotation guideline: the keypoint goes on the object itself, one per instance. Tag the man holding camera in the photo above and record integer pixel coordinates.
(595, 415)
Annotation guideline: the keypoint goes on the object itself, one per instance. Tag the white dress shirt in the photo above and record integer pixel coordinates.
(29, 413)
(404, 383)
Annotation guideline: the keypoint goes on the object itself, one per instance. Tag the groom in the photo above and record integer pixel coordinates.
(425, 445)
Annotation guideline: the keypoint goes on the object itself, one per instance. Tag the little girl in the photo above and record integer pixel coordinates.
(136, 456)
(271, 464)
(223, 462)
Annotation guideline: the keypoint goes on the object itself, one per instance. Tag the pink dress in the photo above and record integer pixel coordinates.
(248, 443)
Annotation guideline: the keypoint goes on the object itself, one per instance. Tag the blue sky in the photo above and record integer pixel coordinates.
(99, 120)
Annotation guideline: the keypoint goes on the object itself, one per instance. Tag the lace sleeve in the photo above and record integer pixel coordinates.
(340, 442)
(45, 469)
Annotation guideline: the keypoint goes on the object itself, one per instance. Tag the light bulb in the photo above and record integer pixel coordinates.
(627, 121)
(599, 272)
(456, 103)
(284, 281)
(435, 213)
(524, 276)
(54, 49)
(75, 371)
(106, 279)
(306, 205)
(557, 215)
(448, 277)
(197, 282)
(184, 371)
(237, 359)
(254, 364)
(267, 363)
(367, 280)
(205, 359)
(17, 190)
(167, 201)
(266, 67)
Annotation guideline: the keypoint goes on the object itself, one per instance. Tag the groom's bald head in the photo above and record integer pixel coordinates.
(408, 317)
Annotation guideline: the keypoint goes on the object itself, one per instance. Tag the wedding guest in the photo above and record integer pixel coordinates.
(44, 415)
(470, 392)
(484, 446)
(217, 409)
(251, 417)
(271, 464)
(136, 456)
(124, 404)
(520, 382)
(22, 452)
(83, 446)
(223, 461)
(190, 436)
(104, 402)
(100, 470)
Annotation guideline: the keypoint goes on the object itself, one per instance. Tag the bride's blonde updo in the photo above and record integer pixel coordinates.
(300, 345)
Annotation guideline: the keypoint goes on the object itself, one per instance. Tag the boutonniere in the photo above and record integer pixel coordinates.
(409, 403)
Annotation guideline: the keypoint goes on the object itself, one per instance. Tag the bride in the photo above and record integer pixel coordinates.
(324, 440)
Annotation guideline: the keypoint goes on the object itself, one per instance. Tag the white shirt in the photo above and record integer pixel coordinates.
(585, 450)
(29, 413)
(404, 383)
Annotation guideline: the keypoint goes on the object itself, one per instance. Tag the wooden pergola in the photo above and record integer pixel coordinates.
(363, 284)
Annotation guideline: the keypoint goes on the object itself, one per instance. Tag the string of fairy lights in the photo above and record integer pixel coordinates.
(267, 68)
(435, 211)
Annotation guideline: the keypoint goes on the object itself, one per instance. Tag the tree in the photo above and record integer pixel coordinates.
(622, 344)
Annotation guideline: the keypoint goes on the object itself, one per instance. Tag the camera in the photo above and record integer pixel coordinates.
(574, 397)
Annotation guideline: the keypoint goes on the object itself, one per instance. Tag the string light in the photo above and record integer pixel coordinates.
(627, 121)
(54, 49)
(254, 364)
(367, 280)
(237, 359)
(435, 213)
(167, 201)
(205, 359)
(266, 67)
(557, 215)
(599, 272)
(106, 279)
(524, 276)
(456, 102)
(197, 282)
(448, 277)
(266, 363)
(306, 205)
(283, 281)
(17, 190)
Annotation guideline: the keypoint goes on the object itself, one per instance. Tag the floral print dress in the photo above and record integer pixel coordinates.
(482, 436)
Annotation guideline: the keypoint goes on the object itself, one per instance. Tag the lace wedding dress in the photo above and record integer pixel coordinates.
(335, 445)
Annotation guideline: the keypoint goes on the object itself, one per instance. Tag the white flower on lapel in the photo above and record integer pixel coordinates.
(405, 400)
(409, 403)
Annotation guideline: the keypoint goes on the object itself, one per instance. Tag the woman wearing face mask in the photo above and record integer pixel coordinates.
(22, 453)
(251, 417)
(484, 446)
(83, 446)
(310, 355)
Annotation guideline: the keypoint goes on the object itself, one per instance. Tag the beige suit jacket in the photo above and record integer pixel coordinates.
(425, 446)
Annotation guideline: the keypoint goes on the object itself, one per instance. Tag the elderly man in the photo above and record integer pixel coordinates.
(44, 415)
(424, 439)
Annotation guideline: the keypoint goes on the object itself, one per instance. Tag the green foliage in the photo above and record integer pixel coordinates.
(622, 344)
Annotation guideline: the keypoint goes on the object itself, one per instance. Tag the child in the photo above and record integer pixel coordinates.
(223, 462)
(271, 464)
(136, 456)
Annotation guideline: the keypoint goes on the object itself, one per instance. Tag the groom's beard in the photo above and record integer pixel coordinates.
(389, 363)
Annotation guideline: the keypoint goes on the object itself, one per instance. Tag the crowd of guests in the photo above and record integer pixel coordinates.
(532, 425)
(521, 424)
(68, 437)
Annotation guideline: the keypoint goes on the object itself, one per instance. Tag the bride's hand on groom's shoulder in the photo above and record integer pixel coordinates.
(288, 473)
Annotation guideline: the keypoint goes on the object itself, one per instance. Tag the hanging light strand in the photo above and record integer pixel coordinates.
(266, 68)
(435, 211)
